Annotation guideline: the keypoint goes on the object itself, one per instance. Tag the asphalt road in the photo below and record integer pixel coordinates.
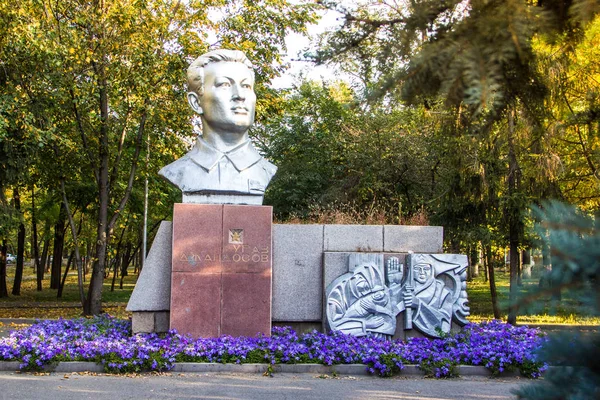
(247, 386)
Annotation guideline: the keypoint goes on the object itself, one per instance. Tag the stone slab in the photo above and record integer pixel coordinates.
(197, 233)
(353, 238)
(417, 239)
(9, 365)
(247, 270)
(348, 369)
(161, 321)
(222, 270)
(247, 240)
(78, 366)
(197, 304)
(335, 264)
(152, 291)
(297, 272)
(246, 304)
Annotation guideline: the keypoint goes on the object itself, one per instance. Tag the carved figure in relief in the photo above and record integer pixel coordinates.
(430, 299)
(223, 167)
(432, 294)
(359, 302)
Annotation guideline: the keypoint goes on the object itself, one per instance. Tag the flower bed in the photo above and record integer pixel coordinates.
(108, 341)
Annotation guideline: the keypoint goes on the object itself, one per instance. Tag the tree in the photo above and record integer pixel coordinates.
(105, 74)
(575, 240)
(479, 58)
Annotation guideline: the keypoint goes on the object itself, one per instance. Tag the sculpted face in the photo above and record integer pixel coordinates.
(228, 102)
(422, 273)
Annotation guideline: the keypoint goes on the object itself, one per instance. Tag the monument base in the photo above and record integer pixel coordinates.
(150, 321)
(221, 270)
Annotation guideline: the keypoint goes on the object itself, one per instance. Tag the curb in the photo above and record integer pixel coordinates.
(341, 369)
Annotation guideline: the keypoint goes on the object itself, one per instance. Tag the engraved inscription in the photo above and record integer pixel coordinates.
(242, 253)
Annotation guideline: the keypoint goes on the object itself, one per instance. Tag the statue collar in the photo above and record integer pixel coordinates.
(242, 156)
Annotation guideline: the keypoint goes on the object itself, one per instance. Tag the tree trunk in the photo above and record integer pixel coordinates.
(75, 234)
(492, 279)
(3, 287)
(117, 267)
(473, 270)
(126, 261)
(20, 248)
(88, 260)
(59, 242)
(64, 278)
(34, 243)
(44, 260)
(94, 298)
(514, 221)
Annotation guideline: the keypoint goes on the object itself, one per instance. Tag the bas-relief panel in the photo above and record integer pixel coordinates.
(430, 289)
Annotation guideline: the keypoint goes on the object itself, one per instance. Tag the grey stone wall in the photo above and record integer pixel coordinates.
(306, 258)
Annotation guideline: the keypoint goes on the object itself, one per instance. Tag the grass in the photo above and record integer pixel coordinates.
(44, 304)
(570, 310)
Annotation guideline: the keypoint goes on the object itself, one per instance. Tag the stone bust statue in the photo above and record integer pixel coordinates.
(223, 167)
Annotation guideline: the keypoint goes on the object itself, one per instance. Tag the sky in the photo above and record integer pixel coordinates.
(297, 43)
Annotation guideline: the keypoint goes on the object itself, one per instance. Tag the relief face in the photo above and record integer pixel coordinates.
(431, 294)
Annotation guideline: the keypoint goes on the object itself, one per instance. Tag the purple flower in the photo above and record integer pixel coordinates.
(109, 342)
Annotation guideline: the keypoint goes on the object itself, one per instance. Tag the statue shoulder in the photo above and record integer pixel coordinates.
(174, 172)
(269, 168)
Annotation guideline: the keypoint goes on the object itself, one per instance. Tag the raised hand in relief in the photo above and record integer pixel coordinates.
(394, 271)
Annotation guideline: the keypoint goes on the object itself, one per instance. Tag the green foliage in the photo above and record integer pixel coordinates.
(392, 363)
(574, 239)
(436, 367)
(88, 89)
(335, 156)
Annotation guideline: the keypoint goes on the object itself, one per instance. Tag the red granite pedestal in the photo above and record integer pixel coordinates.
(222, 270)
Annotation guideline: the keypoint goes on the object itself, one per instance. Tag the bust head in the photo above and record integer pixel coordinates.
(224, 167)
(221, 91)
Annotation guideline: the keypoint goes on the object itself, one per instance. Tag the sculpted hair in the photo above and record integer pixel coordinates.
(195, 72)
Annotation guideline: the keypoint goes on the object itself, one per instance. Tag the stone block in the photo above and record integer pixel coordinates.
(222, 269)
(337, 264)
(196, 300)
(246, 304)
(152, 291)
(9, 365)
(197, 233)
(417, 239)
(78, 366)
(353, 238)
(246, 242)
(334, 265)
(161, 321)
(142, 322)
(297, 272)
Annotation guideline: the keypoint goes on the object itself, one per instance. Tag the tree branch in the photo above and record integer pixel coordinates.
(86, 146)
(115, 169)
(138, 147)
(582, 143)
(75, 244)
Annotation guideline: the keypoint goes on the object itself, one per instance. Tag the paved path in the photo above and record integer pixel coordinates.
(248, 386)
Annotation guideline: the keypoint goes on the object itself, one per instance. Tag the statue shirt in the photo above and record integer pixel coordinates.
(206, 170)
